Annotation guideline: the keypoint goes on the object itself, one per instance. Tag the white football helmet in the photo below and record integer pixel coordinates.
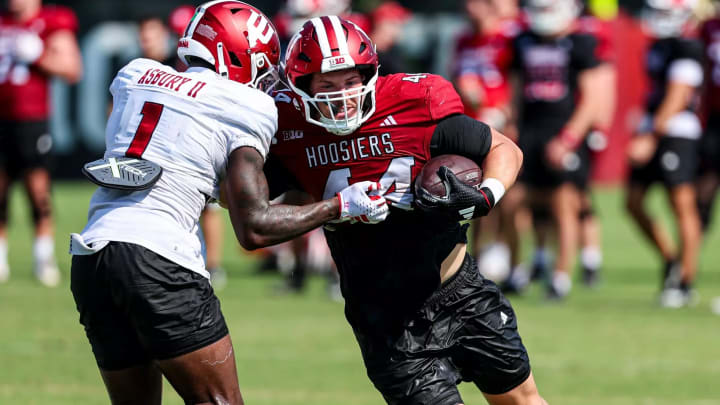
(550, 17)
(667, 18)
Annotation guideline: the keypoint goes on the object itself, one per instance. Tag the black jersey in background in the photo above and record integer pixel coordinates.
(549, 70)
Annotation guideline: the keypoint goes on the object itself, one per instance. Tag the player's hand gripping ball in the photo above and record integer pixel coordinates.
(448, 185)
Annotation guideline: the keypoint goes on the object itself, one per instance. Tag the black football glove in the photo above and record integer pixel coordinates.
(461, 202)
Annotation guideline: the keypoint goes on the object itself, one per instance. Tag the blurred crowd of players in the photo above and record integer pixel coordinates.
(543, 72)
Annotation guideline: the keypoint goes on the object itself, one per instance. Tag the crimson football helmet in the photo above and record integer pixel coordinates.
(551, 17)
(329, 44)
(667, 18)
(236, 38)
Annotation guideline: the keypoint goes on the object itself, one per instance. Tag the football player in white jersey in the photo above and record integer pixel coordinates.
(138, 276)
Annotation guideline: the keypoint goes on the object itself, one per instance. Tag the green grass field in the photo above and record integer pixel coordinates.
(612, 345)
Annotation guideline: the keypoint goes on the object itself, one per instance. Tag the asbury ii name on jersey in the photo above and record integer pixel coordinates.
(188, 123)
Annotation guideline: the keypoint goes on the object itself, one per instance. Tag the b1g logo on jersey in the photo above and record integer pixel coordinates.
(292, 134)
(259, 29)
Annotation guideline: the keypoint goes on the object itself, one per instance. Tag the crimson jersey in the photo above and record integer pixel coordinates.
(388, 268)
(487, 58)
(24, 92)
(710, 35)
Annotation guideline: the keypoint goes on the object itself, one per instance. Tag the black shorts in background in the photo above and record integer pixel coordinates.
(537, 172)
(24, 145)
(136, 306)
(675, 162)
(467, 331)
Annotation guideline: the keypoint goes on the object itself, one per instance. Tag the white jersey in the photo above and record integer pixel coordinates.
(188, 123)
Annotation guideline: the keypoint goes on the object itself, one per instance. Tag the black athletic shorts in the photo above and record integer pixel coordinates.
(24, 145)
(675, 162)
(537, 172)
(466, 331)
(710, 146)
(137, 306)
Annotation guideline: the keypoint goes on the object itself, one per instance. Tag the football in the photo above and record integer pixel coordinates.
(465, 169)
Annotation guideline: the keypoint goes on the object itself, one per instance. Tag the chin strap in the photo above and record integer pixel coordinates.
(221, 67)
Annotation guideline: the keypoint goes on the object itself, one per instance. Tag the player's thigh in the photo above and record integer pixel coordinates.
(488, 349)
(138, 385)
(412, 381)
(524, 394)
(206, 375)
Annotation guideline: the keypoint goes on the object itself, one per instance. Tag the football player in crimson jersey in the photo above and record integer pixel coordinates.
(419, 308)
(558, 69)
(138, 277)
(37, 43)
(665, 148)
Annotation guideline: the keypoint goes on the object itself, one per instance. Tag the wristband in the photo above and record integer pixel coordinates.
(569, 140)
(495, 186)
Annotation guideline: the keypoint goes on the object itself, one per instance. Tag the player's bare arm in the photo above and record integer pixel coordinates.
(62, 57)
(590, 82)
(257, 223)
(504, 160)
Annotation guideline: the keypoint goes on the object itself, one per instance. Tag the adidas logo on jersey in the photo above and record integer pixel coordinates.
(389, 121)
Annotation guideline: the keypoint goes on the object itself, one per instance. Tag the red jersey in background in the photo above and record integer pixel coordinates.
(24, 90)
(486, 58)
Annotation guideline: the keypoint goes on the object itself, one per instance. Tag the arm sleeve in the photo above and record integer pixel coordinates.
(461, 135)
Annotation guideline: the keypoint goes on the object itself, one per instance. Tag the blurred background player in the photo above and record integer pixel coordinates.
(481, 75)
(709, 179)
(387, 22)
(665, 148)
(37, 43)
(604, 77)
(558, 67)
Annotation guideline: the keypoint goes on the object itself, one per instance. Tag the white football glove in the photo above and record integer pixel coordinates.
(28, 47)
(361, 202)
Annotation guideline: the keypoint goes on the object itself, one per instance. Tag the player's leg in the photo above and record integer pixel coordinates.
(211, 222)
(138, 385)
(4, 213)
(650, 228)
(34, 148)
(542, 226)
(37, 184)
(205, 376)
(590, 248)
(706, 188)
(683, 201)
(565, 206)
(524, 394)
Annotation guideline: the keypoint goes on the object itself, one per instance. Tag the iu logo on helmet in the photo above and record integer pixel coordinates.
(259, 29)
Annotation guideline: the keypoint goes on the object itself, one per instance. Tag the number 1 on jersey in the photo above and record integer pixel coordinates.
(150, 117)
